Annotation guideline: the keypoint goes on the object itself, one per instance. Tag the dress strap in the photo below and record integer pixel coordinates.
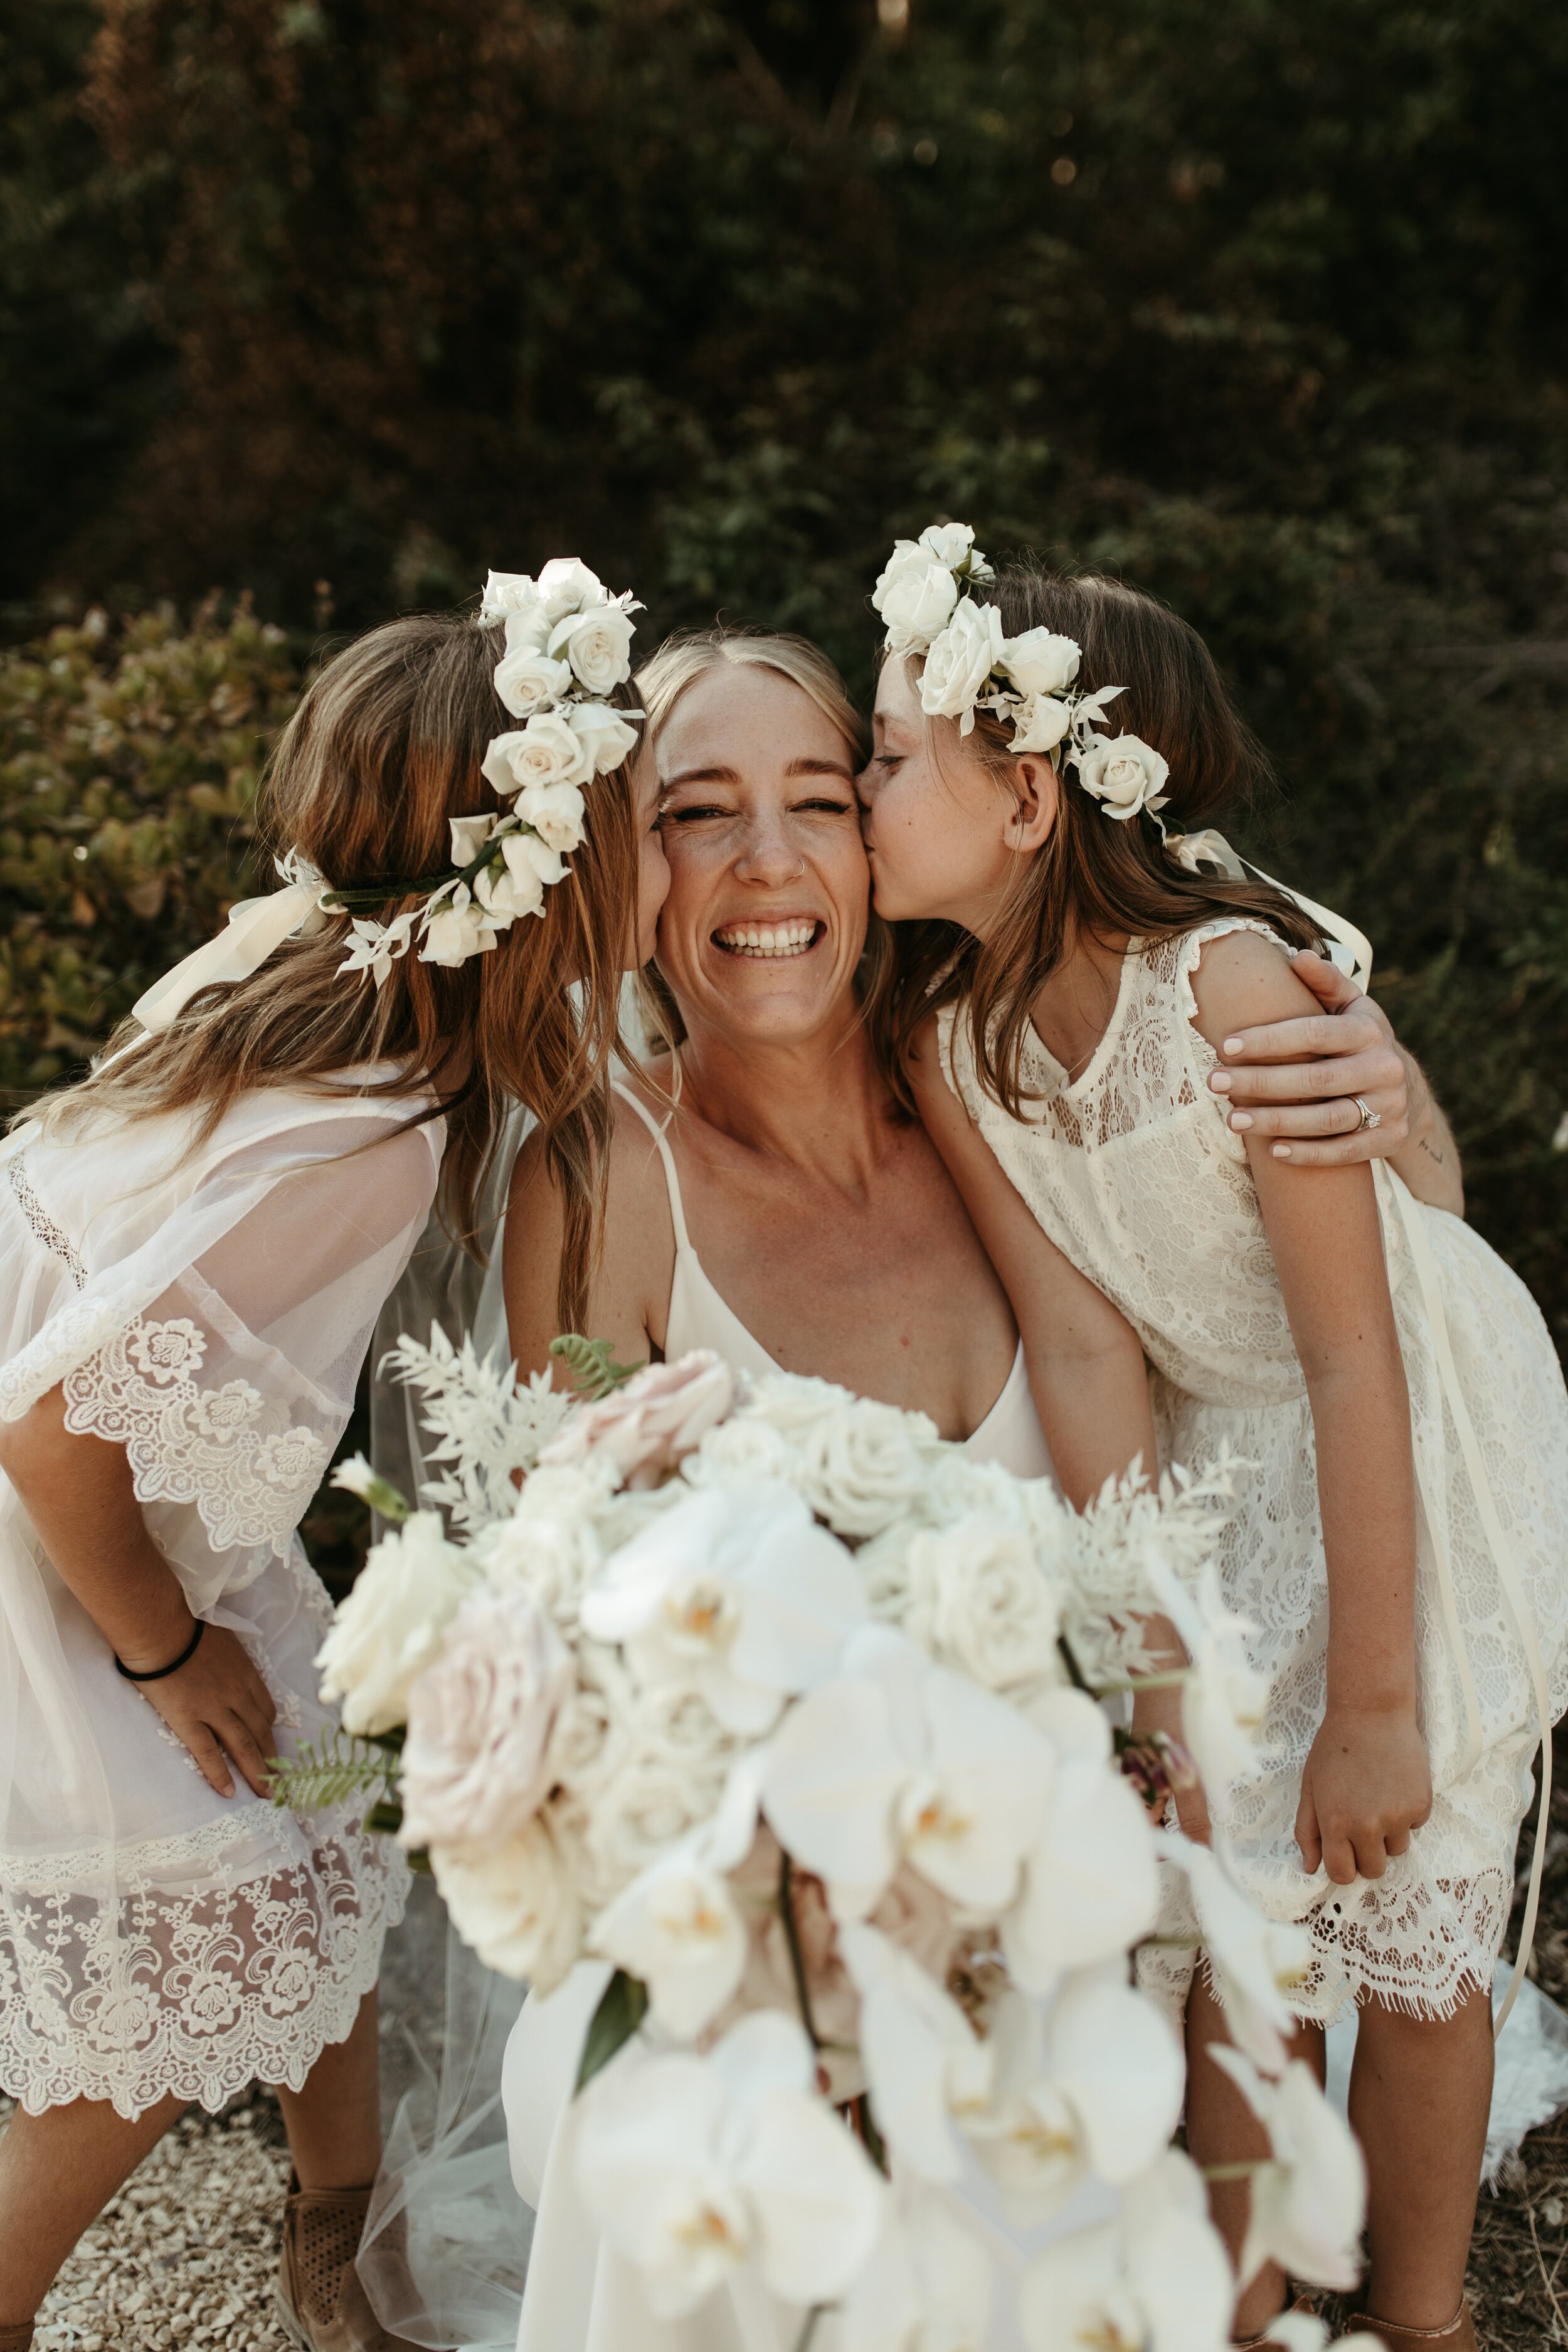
(655, 1128)
(1430, 1280)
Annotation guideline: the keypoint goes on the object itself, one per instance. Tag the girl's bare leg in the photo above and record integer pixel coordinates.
(1420, 2095)
(58, 2172)
(334, 2122)
(1223, 2129)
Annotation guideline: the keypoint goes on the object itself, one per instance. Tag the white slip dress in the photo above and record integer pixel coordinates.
(207, 1303)
(581, 2295)
(1133, 1172)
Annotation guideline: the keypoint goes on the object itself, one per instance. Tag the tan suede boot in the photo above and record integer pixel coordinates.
(320, 2302)
(1457, 2335)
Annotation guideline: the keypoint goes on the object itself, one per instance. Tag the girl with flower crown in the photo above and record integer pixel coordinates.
(1075, 965)
(194, 1243)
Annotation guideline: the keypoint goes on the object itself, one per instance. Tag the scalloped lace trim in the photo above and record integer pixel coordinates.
(197, 1994)
(189, 1444)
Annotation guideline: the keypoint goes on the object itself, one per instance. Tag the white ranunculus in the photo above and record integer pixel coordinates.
(513, 597)
(959, 663)
(516, 1901)
(1096, 2086)
(736, 1590)
(925, 2065)
(896, 1758)
(915, 596)
(677, 1929)
(557, 814)
(928, 2285)
(606, 737)
(480, 1720)
(950, 543)
(861, 1465)
(646, 1428)
(455, 933)
(1040, 723)
(393, 1621)
(1309, 2201)
(1091, 1886)
(695, 2169)
(976, 1596)
(566, 585)
(598, 645)
(1123, 773)
(543, 752)
(1039, 662)
(527, 680)
(1156, 2279)
(1256, 1961)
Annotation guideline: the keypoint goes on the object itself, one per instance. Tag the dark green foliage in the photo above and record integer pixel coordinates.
(1261, 305)
(623, 2005)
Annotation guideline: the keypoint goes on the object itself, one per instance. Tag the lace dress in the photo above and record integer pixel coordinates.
(206, 1304)
(1133, 1174)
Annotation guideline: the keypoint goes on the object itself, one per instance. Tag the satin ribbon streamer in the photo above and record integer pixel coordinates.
(256, 928)
(1350, 951)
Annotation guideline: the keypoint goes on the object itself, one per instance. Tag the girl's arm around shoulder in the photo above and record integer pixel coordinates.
(1086, 1362)
(628, 1296)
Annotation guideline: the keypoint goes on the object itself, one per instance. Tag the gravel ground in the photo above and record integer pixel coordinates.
(188, 2253)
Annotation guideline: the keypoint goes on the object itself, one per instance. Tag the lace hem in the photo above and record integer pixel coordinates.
(152, 1992)
(189, 1444)
(43, 1224)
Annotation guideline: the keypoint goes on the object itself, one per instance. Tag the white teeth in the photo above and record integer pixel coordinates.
(767, 940)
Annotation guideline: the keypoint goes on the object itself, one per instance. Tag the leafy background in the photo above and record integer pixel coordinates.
(310, 310)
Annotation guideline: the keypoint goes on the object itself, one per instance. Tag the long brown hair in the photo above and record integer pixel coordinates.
(1094, 874)
(383, 749)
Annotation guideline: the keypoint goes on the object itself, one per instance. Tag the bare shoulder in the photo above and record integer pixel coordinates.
(1245, 979)
(927, 1065)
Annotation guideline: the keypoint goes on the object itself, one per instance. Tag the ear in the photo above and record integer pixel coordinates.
(1039, 789)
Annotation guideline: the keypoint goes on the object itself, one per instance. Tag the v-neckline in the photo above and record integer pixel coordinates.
(1108, 1036)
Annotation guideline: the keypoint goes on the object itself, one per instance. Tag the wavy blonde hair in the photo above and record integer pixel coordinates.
(382, 752)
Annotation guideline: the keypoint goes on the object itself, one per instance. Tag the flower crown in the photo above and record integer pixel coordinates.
(568, 646)
(970, 665)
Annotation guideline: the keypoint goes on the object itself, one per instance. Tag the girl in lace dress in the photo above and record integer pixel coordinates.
(1070, 979)
(193, 1246)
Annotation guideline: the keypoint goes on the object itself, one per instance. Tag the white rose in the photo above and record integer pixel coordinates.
(556, 812)
(566, 585)
(745, 1447)
(950, 543)
(960, 662)
(545, 751)
(1039, 662)
(646, 1428)
(638, 1813)
(481, 1721)
(456, 934)
(393, 1623)
(597, 644)
(513, 597)
(469, 835)
(915, 596)
(1040, 723)
(517, 1904)
(1124, 772)
(605, 735)
(527, 680)
(976, 1596)
(861, 1466)
(505, 895)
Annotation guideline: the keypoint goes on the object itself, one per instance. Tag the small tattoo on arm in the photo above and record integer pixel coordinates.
(1432, 1153)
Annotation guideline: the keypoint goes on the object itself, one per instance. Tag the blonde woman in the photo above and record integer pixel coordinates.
(193, 1246)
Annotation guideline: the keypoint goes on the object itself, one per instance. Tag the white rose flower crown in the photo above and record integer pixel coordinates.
(788, 1714)
(568, 645)
(970, 665)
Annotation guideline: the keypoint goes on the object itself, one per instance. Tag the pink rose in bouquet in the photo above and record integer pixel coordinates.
(480, 1720)
(651, 1423)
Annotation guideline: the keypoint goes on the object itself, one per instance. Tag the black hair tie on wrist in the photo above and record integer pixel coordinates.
(158, 1673)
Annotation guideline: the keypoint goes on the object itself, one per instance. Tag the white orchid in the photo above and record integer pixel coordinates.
(1091, 1887)
(696, 2167)
(737, 1591)
(896, 1758)
(925, 2064)
(1157, 2279)
(928, 2285)
(1095, 2086)
(1309, 2201)
(1255, 1961)
(677, 1928)
(1224, 1696)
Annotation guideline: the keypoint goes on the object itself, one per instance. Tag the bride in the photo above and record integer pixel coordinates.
(767, 1197)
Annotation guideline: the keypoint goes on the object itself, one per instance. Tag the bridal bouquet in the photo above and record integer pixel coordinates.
(792, 1713)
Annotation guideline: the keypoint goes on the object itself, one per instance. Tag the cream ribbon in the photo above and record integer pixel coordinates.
(1350, 951)
(256, 928)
